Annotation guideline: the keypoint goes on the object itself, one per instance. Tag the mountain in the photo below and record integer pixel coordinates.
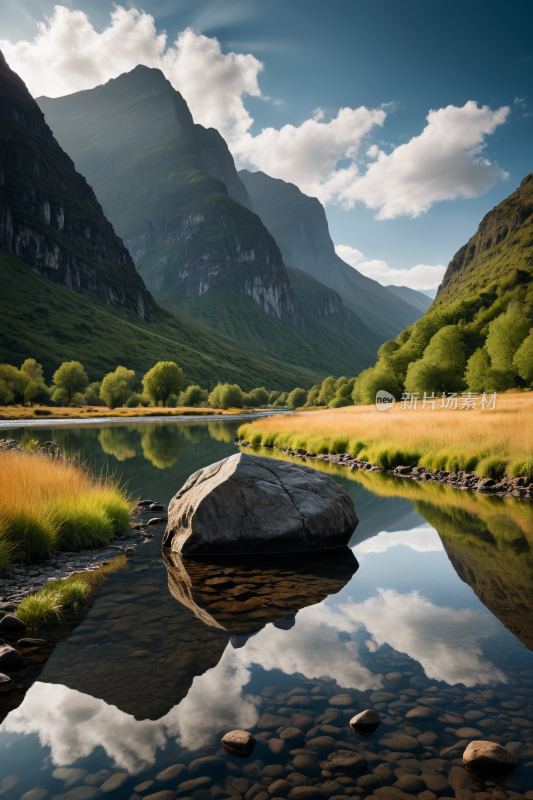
(49, 215)
(298, 224)
(171, 190)
(502, 245)
(429, 292)
(417, 299)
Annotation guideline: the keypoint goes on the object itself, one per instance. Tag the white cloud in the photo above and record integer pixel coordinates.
(423, 539)
(444, 640)
(444, 162)
(423, 276)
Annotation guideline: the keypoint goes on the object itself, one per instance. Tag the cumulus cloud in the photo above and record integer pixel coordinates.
(446, 641)
(423, 276)
(331, 159)
(423, 539)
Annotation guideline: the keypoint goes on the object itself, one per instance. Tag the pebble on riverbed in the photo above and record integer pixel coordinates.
(238, 743)
(366, 723)
(489, 760)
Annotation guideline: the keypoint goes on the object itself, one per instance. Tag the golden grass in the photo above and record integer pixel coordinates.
(87, 412)
(484, 441)
(49, 503)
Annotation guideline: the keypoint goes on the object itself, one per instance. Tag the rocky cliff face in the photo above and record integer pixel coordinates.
(502, 244)
(49, 215)
(171, 189)
(298, 224)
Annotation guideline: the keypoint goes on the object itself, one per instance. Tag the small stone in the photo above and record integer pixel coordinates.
(165, 794)
(114, 782)
(271, 722)
(410, 783)
(213, 766)
(399, 741)
(187, 787)
(421, 712)
(346, 761)
(156, 521)
(279, 788)
(4, 678)
(332, 788)
(11, 624)
(274, 771)
(302, 722)
(31, 642)
(143, 788)
(306, 765)
(8, 783)
(382, 697)
(97, 778)
(69, 775)
(276, 746)
(168, 774)
(10, 659)
(307, 793)
(366, 723)
(436, 783)
(489, 760)
(79, 793)
(292, 735)
(238, 743)
(394, 678)
(156, 507)
(468, 733)
(340, 700)
(34, 794)
(428, 738)
(321, 744)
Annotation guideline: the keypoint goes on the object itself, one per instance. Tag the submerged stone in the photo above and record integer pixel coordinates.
(366, 723)
(489, 760)
(254, 504)
(11, 624)
(238, 743)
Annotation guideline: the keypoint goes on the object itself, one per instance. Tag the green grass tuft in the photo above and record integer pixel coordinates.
(492, 467)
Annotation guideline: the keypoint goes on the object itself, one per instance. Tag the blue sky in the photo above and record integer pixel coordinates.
(399, 61)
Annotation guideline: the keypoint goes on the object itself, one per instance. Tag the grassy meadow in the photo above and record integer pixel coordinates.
(490, 443)
(86, 412)
(49, 504)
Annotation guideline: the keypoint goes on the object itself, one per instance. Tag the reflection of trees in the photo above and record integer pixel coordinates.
(193, 433)
(161, 444)
(118, 442)
(222, 431)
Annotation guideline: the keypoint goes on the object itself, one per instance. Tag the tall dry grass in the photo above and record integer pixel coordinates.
(487, 442)
(49, 504)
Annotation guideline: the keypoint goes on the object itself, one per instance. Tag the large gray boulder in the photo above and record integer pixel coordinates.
(254, 504)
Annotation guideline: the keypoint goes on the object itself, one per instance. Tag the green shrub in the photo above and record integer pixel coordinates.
(339, 445)
(522, 467)
(269, 439)
(36, 610)
(256, 439)
(390, 456)
(355, 446)
(492, 467)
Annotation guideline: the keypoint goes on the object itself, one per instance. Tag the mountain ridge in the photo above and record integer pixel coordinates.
(299, 225)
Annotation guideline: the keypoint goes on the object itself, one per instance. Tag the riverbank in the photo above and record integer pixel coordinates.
(473, 444)
(89, 412)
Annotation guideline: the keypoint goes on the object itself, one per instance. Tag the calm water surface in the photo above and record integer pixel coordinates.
(427, 618)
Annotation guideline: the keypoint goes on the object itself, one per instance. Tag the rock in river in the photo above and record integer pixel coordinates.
(489, 760)
(366, 723)
(239, 743)
(10, 659)
(250, 504)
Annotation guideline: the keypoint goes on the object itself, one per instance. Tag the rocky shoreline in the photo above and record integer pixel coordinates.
(469, 481)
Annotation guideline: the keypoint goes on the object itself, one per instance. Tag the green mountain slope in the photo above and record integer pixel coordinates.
(298, 224)
(328, 343)
(52, 324)
(136, 142)
(502, 244)
(49, 216)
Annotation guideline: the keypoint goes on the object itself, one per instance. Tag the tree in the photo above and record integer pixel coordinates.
(249, 400)
(231, 396)
(261, 396)
(327, 391)
(370, 382)
(478, 370)
(15, 380)
(6, 393)
(296, 398)
(506, 334)
(92, 394)
(215, 397)
(343, 395)
(117, 386)
(281, 401)
(272, 397)
(312, 395)
(447, 350)
(426, 376)
(192, 396)
(523, 359)
(71, 378)
(33, 370)
(162, 380)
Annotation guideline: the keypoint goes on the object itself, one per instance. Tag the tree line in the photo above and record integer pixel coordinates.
(163, 385)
